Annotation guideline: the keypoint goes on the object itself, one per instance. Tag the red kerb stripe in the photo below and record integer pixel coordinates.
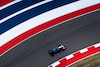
(4, 2)
(46, 25)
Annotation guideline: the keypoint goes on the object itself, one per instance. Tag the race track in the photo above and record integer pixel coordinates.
(74, 34)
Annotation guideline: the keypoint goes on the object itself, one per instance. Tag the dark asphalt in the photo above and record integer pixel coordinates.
(74, 34)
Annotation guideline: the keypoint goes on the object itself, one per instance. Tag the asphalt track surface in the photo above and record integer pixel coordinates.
(75, 34)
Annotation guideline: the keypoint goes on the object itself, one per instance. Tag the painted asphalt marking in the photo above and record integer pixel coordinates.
(73, 58)
(97, 45)
(56, 63)
(23, 10)
(69, 56)
(84, 50)
(9, 4)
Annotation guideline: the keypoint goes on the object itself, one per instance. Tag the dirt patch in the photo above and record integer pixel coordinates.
(92, 61)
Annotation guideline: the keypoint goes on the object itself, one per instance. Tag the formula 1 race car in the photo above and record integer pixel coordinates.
(57, 49)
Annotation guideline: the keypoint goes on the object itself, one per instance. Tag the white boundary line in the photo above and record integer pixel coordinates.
(70, 8)
(47, 29)
(23, 10)
(83, 48)
(9, 4)
(40, 19)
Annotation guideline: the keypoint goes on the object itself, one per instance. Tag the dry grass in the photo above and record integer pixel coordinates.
(92, 61)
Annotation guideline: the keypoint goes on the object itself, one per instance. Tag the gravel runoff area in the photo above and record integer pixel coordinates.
(92, 61)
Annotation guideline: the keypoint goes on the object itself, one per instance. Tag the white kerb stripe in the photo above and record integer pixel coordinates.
(97, 45)
(42, 18)
(69, 56)
(83, 50)
(55, 63)
(9, 4)
(28, 8)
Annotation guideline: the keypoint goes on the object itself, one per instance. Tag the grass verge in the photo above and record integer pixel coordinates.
(92, 61)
